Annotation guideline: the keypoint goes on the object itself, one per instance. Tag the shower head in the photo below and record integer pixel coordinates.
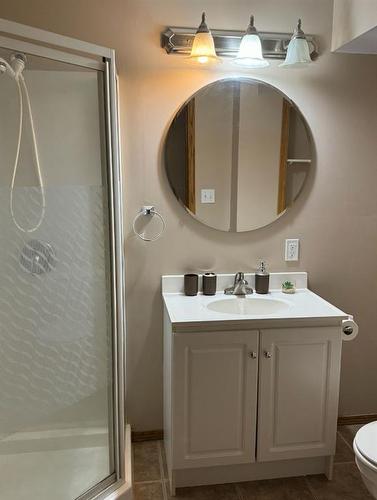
(16, 66)
(17, 62)
(6, 68)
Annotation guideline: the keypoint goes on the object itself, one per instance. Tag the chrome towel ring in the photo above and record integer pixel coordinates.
(148, 211)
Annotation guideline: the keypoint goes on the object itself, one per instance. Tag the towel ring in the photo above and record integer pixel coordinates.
(148, 210)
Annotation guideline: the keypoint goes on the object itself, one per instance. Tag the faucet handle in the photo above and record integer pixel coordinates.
(240, 276)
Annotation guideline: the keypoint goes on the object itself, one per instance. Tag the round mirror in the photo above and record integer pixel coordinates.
(237, 154)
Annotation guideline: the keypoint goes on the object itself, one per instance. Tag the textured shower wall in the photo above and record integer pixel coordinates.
(54, 348)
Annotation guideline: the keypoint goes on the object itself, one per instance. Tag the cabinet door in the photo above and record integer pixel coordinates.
(214, 398)
(298, 392)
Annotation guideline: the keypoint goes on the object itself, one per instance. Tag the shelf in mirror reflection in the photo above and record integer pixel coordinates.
(292, 161)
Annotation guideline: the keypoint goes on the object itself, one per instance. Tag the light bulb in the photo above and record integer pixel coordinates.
(203, 59)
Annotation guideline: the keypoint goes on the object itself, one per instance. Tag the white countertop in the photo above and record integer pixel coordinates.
(304, 304)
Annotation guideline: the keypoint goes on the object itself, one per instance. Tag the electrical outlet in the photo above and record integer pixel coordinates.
(207, 196)
(292, 249)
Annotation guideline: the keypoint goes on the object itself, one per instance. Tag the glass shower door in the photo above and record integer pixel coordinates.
(57, 426)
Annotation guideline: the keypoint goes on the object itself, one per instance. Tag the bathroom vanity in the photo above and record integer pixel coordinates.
(251, 383)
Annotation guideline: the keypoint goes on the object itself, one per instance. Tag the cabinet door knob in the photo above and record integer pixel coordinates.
(252, 354)
(267, 354)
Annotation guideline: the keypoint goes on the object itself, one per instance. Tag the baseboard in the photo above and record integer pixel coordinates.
(357, 419)
(156, 435)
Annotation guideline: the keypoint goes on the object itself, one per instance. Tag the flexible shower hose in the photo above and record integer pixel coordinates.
(21, 86)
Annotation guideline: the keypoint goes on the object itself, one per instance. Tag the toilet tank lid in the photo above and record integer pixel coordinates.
(366, 441)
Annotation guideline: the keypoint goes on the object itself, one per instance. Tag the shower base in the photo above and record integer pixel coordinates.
(37, 464)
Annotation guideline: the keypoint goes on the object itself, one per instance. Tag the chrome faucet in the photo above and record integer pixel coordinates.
(239, 287)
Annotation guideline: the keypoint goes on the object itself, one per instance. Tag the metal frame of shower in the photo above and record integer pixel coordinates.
(37, 42)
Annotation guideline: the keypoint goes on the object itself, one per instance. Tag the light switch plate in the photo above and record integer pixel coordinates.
(207, 196)
(292, 247)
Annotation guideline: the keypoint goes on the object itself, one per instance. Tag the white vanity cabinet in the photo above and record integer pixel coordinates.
(214, 394)
(261, 398)
(298, 392)
(221, 380)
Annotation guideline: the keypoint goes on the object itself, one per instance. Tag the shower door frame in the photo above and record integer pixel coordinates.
(61, 48)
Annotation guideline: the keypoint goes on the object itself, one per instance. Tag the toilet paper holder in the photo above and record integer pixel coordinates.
(348, 330)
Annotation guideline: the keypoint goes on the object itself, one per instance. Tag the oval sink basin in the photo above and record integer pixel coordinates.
(248, 306)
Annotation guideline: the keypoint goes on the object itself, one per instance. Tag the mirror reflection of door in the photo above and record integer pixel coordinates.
(237, 154)
(295, 156)
(282, 193)
(190, 171)
(181, 156)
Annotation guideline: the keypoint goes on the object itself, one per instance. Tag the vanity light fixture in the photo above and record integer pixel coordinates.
(206, 46)
(298, 53)
(203, 47)
(250, 52)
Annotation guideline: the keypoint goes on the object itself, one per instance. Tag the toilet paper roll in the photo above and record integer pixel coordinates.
(350, 329)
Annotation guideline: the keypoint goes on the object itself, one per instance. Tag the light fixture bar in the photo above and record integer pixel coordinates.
(177, 40)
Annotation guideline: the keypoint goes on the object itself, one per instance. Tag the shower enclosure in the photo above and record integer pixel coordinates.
(62, 368)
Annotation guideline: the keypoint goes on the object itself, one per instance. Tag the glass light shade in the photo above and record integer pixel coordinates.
(203, 49)
(297, 53)
(250, 52)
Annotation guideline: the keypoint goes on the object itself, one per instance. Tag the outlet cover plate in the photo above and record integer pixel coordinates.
(292, 248)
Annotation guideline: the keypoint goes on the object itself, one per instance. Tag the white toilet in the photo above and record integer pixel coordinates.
(365, 448)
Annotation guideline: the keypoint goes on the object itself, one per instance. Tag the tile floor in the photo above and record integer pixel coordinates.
(150, 479)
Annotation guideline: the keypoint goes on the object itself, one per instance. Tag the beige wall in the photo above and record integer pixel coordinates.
(352, 18)
(336, 217)
(213, 155)
(259, 156)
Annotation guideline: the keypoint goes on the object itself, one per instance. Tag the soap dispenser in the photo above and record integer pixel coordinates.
(262, 279)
